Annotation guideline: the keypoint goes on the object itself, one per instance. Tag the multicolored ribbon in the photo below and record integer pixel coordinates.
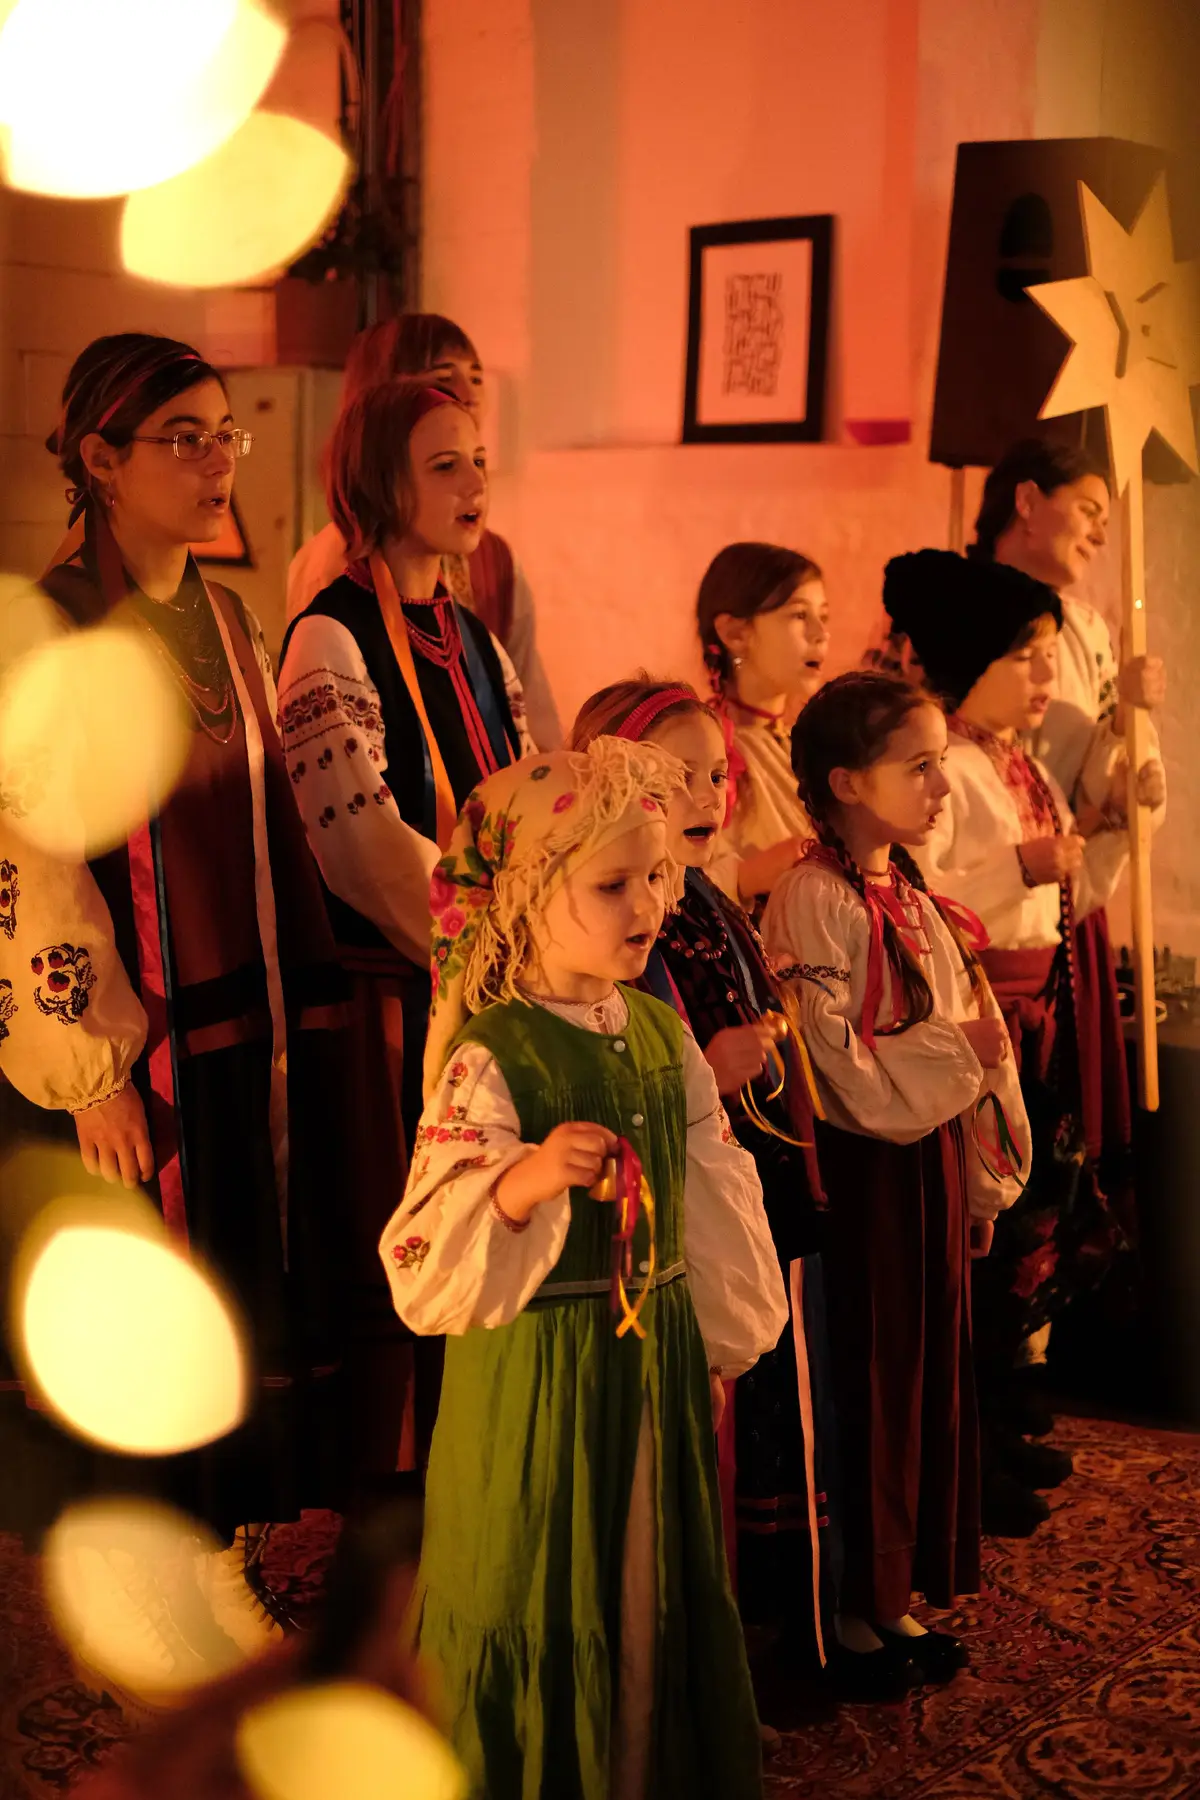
(624, 1183)
(1002, 1158)
(749, 1101)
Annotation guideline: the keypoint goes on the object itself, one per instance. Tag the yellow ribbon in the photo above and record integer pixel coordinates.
(606, 1189)
(753, 1110)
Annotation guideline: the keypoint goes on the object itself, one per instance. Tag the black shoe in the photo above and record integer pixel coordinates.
(1024, 1407)
(1009, 1510)
(1035, 1465)
(936, 1657)
(867, 1676)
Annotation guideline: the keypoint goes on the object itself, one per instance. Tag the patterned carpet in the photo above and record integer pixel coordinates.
(1086, 1645)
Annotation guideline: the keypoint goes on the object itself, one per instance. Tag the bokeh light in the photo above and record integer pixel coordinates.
(345, 1741)
(120, 1583)
(93, 737)
(106, 96)
(246, 211)
(124, 1337)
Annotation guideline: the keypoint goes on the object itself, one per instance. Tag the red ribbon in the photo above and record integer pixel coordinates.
(891, 899)
(629, 1206)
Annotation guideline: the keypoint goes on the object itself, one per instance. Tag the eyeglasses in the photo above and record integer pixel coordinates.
(194, 446)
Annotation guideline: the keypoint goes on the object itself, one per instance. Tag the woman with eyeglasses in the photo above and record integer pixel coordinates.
(231, 1117)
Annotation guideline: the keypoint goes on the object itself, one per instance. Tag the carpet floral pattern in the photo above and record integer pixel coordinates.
(1085, 1682)
(1085, 1642)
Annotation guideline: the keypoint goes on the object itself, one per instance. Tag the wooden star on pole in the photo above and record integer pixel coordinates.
(1134, 326)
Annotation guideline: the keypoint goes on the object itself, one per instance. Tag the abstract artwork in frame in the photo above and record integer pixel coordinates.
(758, 331)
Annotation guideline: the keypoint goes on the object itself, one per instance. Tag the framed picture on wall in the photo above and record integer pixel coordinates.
(758, 331)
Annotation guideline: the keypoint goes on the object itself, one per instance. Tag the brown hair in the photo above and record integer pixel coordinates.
(1051, 466)
(409, 344)
(847, 725)
(745, 579)
(113, 385)
(368, 475)
(604, 713)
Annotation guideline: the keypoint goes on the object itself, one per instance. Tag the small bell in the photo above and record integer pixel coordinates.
(606, 1187)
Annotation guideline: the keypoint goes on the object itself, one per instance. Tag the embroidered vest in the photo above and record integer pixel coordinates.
(357, 610)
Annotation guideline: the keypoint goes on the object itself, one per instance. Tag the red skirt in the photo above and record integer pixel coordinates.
(896, 1263)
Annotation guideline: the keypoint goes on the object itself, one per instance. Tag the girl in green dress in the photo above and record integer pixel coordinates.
(573, 1588)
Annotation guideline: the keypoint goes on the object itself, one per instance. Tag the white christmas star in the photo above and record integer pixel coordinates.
(1134, 326)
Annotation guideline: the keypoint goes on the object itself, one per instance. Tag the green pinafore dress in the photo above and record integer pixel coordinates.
(518, 1600)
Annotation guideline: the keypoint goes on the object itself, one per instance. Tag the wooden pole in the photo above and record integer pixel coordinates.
(958, 501)
(1133, 593)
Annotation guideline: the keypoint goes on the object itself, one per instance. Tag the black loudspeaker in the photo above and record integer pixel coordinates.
(1016, 221)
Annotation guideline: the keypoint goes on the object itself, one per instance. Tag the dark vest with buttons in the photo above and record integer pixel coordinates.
(631, 1081)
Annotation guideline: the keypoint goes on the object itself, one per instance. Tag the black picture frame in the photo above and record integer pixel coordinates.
(817, 228)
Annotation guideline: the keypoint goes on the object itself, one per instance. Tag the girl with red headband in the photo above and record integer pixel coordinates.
(710, 965)
(393, 706)
(926, 1141)
(230, 1115)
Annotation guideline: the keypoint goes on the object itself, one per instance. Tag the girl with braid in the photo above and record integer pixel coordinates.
(925, 1129)
(1008, 846)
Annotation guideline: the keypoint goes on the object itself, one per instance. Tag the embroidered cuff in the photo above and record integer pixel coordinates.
(514, 1225)
(101, 1099)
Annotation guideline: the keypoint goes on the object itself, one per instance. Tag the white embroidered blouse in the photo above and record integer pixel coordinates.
(453, 1264)
(1078, 742)
(817, 933)
(972, 854)
(333, 743)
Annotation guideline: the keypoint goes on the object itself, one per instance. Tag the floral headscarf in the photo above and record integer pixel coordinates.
(519, 834)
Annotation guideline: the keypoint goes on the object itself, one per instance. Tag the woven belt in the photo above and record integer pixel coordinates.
(578, 1290)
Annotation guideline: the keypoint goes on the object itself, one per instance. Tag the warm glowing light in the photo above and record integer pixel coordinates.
(251, 207)
(93, 738)
(128, 1341)
(107, 96)
(119, 1577)
(347, 1741)
(27, 616)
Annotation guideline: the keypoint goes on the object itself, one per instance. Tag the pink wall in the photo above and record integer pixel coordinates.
(568, 150)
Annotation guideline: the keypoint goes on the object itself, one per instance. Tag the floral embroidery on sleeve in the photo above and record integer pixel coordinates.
(411, 1253)
(819, 973)
(10, 893)
(65, 976)
(326, 704)
(8, 1007)
(452, 1128)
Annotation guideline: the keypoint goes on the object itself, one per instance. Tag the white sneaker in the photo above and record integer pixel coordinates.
(118, 1621)
(237, 1609)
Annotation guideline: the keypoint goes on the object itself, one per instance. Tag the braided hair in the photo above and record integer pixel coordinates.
(847, 725)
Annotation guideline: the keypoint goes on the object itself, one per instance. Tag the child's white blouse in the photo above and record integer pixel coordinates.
(453, 1263)
(972, 854)
(817, 934)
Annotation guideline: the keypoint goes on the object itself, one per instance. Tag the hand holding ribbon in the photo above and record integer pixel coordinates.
(626, 1186)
